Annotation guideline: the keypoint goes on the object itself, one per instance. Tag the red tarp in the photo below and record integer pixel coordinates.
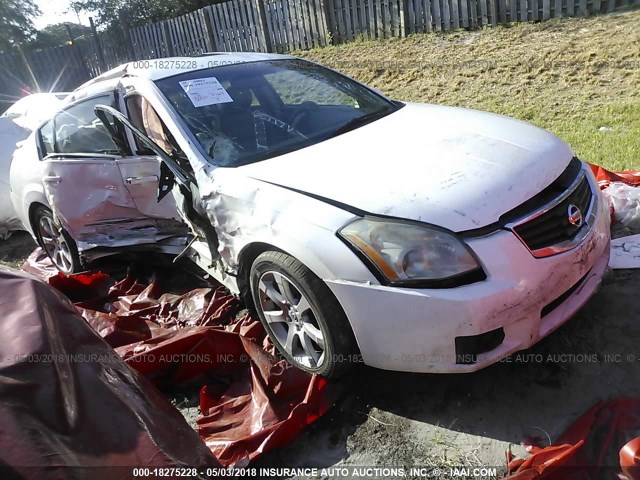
(67, 400)
(605, 177)
(251, 402)
(604, 437)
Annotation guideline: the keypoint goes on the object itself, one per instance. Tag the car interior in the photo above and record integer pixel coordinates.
(144, 117)
(77, 130)
(271, 109)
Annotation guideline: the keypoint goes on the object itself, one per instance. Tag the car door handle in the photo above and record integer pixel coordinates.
(52, 179)
(139, 180)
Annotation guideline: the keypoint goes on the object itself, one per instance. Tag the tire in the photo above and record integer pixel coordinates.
(315, 335)
(56, 242)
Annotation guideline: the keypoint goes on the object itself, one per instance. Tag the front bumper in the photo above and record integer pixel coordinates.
(415, 330)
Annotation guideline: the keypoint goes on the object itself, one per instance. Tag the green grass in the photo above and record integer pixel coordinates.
(570, 76)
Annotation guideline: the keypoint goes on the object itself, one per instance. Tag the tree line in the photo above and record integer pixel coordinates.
(17, 29)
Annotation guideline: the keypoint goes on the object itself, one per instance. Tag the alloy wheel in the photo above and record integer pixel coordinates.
(292, 319)
(55, 244)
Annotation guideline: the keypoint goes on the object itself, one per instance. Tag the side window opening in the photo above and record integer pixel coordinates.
(77, 130)
(134, 111)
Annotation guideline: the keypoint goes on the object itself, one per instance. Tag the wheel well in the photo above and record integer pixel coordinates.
(32, 211)
(247, 257)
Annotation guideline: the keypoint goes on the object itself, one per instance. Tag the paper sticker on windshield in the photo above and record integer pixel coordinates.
(205, 91)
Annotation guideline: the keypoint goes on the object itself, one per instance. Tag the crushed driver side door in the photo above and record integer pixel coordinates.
(86, 169)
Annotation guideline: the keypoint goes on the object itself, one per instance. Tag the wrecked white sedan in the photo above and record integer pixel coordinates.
(414, 237)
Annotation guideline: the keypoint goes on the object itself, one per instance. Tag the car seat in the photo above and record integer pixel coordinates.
(237, 119)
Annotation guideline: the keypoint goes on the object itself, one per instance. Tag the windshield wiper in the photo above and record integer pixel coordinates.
(359, 121)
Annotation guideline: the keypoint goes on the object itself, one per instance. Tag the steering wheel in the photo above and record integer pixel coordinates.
(287, 127)
(305, 109)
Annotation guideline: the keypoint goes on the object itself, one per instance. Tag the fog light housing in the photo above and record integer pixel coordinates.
(469, 348)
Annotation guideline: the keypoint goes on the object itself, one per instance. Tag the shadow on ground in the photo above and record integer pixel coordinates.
(15, 249)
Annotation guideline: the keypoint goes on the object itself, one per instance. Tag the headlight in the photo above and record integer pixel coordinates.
(405, 252)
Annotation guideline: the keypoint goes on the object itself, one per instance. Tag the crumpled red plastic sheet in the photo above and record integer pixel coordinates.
(603, 443)
(622, 192)
(251, 402)
(39, 265)
(604, 177)
(67, 400)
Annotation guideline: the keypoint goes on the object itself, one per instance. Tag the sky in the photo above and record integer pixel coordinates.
(57, 11)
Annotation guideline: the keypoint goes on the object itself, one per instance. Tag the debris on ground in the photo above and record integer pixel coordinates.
(625, 252)
(625, 202)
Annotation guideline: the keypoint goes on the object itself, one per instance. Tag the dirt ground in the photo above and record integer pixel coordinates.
(15, 249)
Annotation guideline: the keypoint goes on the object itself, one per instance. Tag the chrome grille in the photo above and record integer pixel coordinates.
(553, 226)
(548, 229)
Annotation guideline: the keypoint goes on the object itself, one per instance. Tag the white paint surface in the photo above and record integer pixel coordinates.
(456, 168)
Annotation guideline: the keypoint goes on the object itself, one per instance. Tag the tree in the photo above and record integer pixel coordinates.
(15, 22)
(57, 35)
(131, 13)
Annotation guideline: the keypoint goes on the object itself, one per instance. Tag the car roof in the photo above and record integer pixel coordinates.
(159, 68)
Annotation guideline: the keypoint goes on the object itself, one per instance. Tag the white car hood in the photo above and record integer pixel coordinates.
(457, 168)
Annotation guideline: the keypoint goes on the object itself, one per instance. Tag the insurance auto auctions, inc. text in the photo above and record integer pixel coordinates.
(423, 472)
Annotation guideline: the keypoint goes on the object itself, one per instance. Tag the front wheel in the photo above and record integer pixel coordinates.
(56, 242)
(302, 317)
